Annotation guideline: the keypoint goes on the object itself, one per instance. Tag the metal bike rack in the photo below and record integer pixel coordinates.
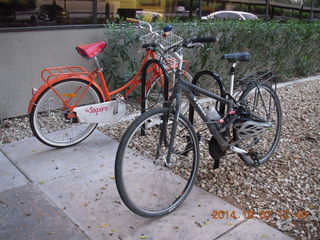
(217, 78)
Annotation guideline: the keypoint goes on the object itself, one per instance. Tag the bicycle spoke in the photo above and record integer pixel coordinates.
(50, 119)
(265, 111)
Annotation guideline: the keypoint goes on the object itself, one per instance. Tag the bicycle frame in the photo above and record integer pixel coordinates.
(234, 109)
(190, 90)
(63, 73)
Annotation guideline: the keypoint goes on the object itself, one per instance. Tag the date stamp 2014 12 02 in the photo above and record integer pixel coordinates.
(260, 214)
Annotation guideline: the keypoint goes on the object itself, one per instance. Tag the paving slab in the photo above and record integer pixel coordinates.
(254, 229)
(27, 213)
(10, 176)
(42, 163)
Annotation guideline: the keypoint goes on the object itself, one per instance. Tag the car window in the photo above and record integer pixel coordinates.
(220, 15)
(248, 16)
(234, 16)
(227, 16)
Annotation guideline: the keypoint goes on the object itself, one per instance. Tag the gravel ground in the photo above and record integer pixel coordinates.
(288, 185)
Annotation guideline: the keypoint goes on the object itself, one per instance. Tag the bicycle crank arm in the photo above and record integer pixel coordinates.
(237, 150)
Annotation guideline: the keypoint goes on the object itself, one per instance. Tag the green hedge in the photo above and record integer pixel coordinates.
(290, 49)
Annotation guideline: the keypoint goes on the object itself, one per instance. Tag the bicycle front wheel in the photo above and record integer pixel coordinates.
(50, 118)
(148, 184)
(262, 136)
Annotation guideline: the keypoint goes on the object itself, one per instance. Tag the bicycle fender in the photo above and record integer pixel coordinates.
(51, 82)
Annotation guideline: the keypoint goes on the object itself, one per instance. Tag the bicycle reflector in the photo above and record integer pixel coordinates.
(70, 95)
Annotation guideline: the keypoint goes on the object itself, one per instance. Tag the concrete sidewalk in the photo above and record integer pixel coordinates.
(70, 193)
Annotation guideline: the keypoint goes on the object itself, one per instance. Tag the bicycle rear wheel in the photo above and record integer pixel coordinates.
(50, 120)
(262, 128)
(147, 185)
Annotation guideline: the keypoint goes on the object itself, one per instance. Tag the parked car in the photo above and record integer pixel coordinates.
(149, 16)
(180, 9)
(230, 15)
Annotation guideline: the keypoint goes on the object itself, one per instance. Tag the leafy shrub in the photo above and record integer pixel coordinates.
(289, 49)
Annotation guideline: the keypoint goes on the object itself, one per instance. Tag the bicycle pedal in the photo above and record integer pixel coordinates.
(254, 156)
(238, 150)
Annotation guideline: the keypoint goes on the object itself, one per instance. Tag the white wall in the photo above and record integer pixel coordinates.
(24, 54)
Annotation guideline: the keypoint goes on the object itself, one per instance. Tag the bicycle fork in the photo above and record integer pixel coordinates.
(177, 93)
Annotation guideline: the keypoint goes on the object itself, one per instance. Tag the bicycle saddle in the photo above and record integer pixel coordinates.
(237, 57)
(91, 50)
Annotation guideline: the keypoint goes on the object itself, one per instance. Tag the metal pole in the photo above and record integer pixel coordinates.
(190, 8)
(200, 9)
(267, 10)
(312, 9)
(94, 12)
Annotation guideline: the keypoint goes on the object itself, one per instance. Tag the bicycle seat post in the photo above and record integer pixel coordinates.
(235, 58)
(232, 73)
(97, 64)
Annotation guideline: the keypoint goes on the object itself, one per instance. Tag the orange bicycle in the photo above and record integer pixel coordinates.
(70, 104)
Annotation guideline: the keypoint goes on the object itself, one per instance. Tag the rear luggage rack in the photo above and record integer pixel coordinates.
(259, 77)
(256, 78)
(50, 73)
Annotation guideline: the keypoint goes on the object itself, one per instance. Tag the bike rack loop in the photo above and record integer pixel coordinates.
(221, 86)
(143, 83)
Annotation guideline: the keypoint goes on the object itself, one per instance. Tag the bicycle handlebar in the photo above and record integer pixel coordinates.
(188, 43)
(137, 21)
(203, 39)
(197, 41)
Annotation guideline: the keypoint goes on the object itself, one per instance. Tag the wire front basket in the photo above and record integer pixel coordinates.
(165, 41)
(159, 37)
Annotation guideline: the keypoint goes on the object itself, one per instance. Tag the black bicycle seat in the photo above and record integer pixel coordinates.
(237, 57)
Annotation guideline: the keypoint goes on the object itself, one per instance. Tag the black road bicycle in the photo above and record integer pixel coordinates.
(158, 156)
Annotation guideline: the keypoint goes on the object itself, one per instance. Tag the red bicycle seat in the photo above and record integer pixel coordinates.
(91, 50)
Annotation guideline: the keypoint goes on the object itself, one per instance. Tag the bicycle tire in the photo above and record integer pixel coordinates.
(258, 150)
(50, 126)
(133, 169)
